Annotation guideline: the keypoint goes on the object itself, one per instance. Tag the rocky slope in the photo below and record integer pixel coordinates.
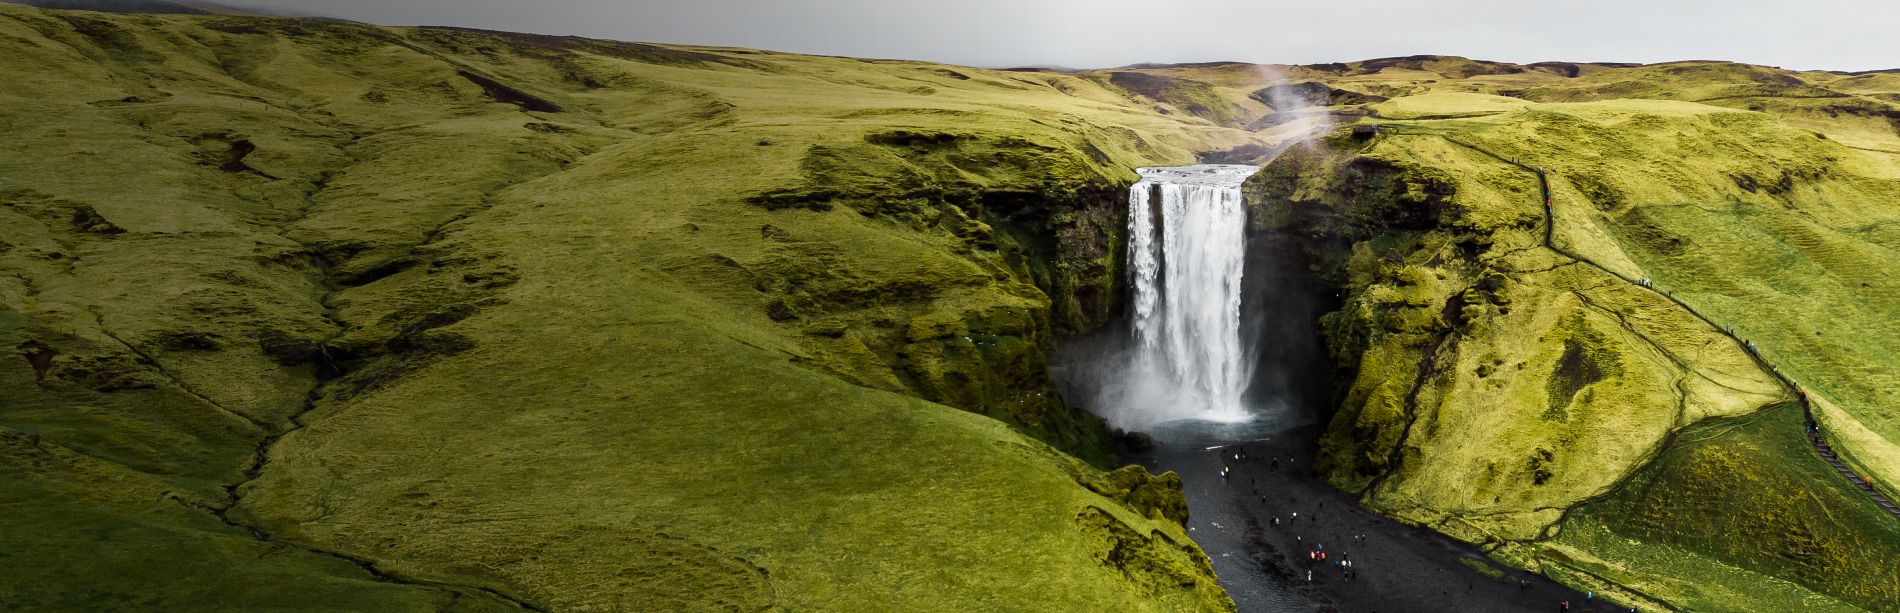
(402, 319)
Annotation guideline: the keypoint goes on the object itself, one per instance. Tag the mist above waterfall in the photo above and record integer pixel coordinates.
(1307, 118)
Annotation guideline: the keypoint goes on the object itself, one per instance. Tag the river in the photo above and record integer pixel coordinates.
(1220, 354)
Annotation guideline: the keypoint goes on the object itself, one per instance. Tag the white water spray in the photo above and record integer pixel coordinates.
(1186, 243)
(1303, 117)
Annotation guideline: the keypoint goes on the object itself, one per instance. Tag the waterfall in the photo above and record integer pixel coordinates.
(1186, 243)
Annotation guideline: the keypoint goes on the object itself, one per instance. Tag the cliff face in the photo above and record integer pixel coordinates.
(389, 319)
(1032, 236)
(1549, 378)
(1503, 363)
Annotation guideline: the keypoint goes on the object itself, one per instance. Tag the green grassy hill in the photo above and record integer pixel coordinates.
(425, 318)
(1505, 364)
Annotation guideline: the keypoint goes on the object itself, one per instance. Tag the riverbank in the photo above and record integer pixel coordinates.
(1264, 565)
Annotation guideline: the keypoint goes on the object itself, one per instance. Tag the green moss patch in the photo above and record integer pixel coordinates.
(1749, 495)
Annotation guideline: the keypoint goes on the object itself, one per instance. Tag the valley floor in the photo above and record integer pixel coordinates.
(1263, 566)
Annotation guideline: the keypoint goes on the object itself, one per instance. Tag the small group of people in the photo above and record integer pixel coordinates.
(1343, 563)
(1296, 517)
(1564, 607)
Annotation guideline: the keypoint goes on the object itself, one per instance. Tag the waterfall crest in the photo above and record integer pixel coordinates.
(1186, 245)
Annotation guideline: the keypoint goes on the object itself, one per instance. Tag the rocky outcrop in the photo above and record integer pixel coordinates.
(1032, 256)
(1296, 96)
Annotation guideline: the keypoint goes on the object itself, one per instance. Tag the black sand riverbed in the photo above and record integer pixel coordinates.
(1264, 566)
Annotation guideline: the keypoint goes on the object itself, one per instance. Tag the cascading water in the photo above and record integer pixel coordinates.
(1186, 244)
(1220, 350)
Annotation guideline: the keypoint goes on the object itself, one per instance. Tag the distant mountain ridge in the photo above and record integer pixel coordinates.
(139, 6)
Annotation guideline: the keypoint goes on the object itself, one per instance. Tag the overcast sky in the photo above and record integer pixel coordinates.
(1799, 34)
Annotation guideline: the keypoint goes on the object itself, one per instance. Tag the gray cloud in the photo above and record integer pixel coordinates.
(1811, 34)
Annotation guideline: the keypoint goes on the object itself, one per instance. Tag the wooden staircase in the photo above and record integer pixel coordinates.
(1827, 453)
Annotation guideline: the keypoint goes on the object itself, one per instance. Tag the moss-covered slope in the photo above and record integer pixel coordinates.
(349, 317)
(1505, 362)
(1736, 515)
